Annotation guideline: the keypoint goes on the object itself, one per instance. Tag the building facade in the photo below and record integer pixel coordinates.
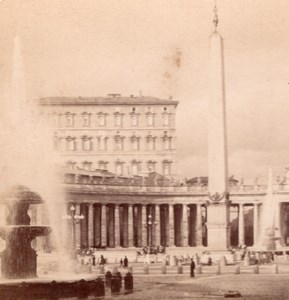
(127, 136)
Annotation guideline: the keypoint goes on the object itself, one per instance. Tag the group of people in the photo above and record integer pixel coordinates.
(258, 257)
(152, 250)
(123, 262)
(89, 257)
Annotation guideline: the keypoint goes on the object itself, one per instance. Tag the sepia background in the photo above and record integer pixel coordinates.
(161, 48)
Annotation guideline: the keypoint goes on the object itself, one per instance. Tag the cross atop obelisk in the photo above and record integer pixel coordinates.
(218, 210)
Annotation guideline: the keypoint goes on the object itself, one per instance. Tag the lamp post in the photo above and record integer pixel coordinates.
(150, 225)
(75, 219)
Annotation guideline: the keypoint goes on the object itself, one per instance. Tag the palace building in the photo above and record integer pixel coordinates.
(127, 136)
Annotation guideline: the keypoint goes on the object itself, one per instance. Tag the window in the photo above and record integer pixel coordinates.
(135, 142)
(151, 166)
(150, 119)
(56, 142)
(135, 167)
(102, 165)
(86, 119)
(101, 119)
(167, 167)
(118, 119)
(166, 141)
(69, 119)
(102, 143)
(56, 119)
(166, 119)
(119, 168)
(71, 165)
(118, 142)
(86, 143)
(70, 143)
(134, 119)
(151, 142)
(87, 165)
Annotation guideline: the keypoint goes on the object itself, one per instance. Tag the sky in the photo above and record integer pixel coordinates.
(161, 48)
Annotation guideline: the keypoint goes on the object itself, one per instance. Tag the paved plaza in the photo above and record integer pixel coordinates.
(207, 285)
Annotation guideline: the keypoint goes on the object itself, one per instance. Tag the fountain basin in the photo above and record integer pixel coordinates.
(44, 288)
(19, 259)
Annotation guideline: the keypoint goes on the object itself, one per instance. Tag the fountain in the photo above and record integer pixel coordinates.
(19, 259)
(269, 238)
(27, 160)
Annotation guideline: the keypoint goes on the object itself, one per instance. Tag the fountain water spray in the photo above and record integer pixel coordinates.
(27, 155)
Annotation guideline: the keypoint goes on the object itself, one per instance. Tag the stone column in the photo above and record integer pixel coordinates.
(116, 226)
(77, 227)
(256, 222)
(185, 231)
(241, 228)
(144, 229)
(103, 226)
(3, 222)
(130, 225)
(277, 223)
(157, 225)
(199, 227)
(171, 226)
(277, 216)
(90, 226)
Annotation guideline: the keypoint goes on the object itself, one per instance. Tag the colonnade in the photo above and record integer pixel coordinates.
(241, 224)
(138, 225)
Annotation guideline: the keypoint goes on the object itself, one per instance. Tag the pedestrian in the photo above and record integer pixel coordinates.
(125, 262)
(93, 260)
(121, 263)
(193, 266)
(102, 260)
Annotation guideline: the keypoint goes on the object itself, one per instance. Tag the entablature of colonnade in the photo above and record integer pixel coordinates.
(177, 190)
(167, 194)
(133, 199)
(246, 199)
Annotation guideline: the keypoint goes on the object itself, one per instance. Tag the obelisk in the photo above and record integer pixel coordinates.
(218, 205)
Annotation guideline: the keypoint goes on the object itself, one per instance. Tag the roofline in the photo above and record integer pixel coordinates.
(55, 101)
